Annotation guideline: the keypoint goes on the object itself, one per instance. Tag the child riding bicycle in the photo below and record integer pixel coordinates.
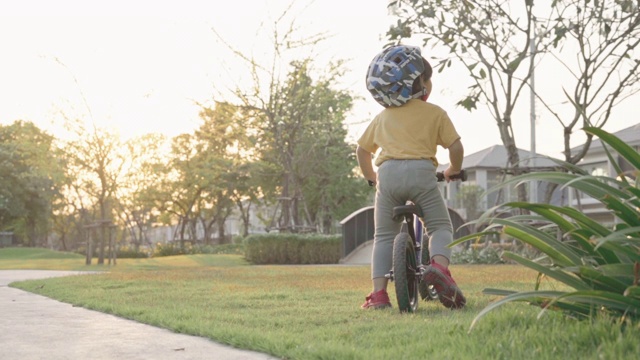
(408, 132)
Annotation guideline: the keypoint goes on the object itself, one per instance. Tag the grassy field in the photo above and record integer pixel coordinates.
(312, 312)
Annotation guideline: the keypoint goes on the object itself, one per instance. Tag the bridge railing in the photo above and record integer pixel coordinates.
(357, 229)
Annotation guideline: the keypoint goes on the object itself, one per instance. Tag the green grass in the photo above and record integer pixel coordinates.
(312, 312)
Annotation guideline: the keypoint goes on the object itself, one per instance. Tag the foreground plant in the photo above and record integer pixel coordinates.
(600, 264)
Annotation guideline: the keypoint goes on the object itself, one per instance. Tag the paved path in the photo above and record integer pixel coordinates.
(36, 327)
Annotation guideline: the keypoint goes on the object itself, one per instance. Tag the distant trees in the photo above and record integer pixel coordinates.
(31, 173)
(303, 143)
(95, 165)
(277, 144)
(305, 166)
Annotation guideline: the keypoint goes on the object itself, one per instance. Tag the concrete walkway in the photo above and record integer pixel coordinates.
(360, 256)
(36, 327)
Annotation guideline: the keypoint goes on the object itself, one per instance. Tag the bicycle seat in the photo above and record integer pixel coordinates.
(400, 211)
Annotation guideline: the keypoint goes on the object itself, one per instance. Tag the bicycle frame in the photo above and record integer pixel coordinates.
(415, 229)
(419, 235)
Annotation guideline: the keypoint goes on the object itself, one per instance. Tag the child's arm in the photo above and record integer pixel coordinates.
(365, 161)
(456, 155)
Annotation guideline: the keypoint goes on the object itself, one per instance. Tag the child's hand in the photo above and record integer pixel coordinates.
(449, 173)
(372, 180)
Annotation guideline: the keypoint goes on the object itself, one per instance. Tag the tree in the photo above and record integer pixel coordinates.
(324, 162)
(181, 187)
(470, 199)
(225, 148)
(497, 42)
(141, 177)
(290, 112)
(30, 173)
(96, 165)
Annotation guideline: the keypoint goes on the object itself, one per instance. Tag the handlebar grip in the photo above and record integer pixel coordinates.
(462, 176)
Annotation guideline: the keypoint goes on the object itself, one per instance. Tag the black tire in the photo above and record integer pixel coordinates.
(405, 270)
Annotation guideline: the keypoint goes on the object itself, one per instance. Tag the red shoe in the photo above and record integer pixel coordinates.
(377, 300)
(448, 292)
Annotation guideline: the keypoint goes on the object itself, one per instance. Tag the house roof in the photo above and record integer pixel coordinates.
(496, 156)
(630, 135)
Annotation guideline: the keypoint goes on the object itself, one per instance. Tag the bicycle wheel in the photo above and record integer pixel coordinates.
(405, 270)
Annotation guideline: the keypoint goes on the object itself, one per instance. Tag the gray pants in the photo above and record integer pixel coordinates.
(399, 181)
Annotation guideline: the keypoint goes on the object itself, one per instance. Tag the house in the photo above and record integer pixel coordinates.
(487, 169)
(597, 162)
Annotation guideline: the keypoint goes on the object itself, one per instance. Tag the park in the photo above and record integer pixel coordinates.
(248, 230)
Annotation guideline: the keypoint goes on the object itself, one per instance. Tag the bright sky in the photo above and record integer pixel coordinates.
(142, 65)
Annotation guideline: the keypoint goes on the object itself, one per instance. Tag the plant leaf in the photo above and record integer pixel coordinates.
(554, 273)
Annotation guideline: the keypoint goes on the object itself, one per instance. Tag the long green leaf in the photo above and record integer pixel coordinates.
(605, 299)
(630, 235)
(559, 252)
(556, 213)
(631, 194)
(475, 236)
(538, 296)
(626, 151)
(600, 281)
(582, 220)
(623, 252)
(499, 292)
(622, 272)
(557, 274)
(633, 291)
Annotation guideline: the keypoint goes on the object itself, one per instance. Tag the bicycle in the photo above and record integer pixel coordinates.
(409, 258)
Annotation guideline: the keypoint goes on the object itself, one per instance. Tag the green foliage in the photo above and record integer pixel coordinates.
(292, 249)
(174, 248)
(483, 255)
(29, 175)
(600, 264)
(127, 252)
(470, 197)
(308, 164)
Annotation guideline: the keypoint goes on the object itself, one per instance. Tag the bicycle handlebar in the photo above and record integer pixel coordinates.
(462, 176)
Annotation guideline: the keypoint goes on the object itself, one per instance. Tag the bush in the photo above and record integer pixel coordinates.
(600, 264)
(227, 249)
(174, 248)
(292, 249)
(171, 249)
(125, 252)
(483, 255)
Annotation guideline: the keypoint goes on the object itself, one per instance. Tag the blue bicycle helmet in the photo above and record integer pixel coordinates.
(392, 72)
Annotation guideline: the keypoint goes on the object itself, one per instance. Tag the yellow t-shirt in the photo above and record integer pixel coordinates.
(409, 132)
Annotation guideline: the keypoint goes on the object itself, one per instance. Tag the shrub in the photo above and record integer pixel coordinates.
(472, 255)
(125, 252)
(227, 249)
(292, 249)
(174, 248)
(170, 249)
(601, 265)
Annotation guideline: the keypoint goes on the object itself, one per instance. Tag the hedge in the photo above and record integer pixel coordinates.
(293, 248)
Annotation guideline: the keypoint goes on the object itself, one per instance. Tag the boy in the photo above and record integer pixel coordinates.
(408, 132)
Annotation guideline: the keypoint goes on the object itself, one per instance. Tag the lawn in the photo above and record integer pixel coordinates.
(312, 312)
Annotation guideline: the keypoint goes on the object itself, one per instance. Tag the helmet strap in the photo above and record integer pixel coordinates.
(422, 95)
